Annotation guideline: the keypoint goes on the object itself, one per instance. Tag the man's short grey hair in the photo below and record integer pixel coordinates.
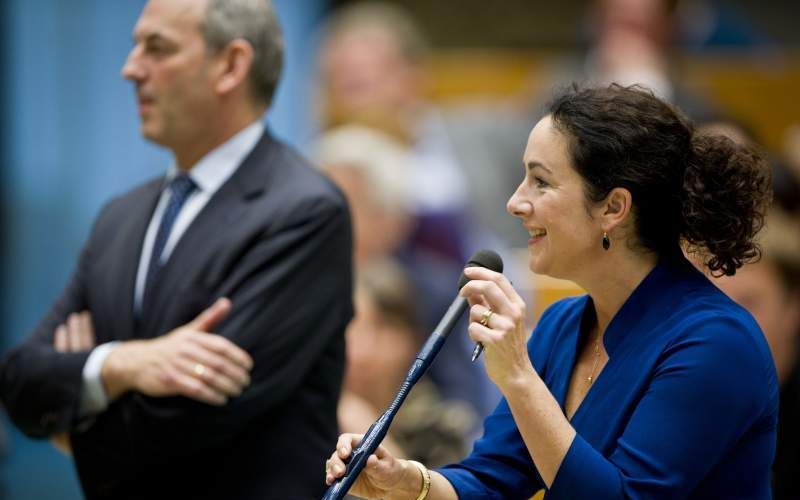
(254, 21)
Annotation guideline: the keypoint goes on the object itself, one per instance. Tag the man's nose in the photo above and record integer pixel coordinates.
(133, 69)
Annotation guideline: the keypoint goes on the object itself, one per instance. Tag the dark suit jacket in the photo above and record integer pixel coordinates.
(276, 240)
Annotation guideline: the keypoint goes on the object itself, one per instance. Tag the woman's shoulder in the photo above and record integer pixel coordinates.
(687, 304)
(703, 311)
(709, 329)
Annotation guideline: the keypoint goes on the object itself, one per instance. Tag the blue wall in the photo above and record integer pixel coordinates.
(69, 142)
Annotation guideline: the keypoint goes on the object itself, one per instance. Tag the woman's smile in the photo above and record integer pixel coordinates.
(537, 235)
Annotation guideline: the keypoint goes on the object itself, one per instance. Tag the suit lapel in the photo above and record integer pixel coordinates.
(134, 228)
(206, 234)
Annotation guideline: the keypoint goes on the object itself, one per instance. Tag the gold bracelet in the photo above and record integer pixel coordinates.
(426, 479)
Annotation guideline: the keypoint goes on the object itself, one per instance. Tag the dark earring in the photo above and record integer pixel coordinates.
(606, 241)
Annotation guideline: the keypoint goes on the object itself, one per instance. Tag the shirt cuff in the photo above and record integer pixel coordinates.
(94, 399)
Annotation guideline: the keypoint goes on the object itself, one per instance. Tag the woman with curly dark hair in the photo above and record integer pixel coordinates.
(654, 384)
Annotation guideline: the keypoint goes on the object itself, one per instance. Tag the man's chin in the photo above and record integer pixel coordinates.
(152, 135)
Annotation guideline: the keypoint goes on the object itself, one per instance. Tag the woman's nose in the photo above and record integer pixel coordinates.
(517, 205)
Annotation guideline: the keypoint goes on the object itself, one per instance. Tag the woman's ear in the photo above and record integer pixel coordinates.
(615, 209)
(233, 65)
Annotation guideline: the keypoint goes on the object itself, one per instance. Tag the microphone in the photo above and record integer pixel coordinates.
(377, 431)
(490, 260)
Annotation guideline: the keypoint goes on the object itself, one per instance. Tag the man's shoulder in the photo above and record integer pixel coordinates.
(134, 195)
(125, 205)
(290, 173)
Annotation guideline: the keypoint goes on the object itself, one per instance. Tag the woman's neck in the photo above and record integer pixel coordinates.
(610, 284)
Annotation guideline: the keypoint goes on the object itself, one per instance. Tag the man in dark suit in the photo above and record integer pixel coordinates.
(241, 236)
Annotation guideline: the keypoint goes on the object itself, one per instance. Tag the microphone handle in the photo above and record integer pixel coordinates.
(377, 431)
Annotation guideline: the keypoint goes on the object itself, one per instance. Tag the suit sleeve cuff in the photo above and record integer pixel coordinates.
(94, 399)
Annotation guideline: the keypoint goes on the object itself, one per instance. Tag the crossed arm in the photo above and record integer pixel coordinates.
(280, 287)
(187, 361)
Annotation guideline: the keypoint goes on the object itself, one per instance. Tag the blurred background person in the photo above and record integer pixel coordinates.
(633, 42)
(382, 341)
(373, 71)
(372, 168)
(791, 147)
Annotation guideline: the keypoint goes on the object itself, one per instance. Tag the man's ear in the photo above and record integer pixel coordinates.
(232, 65)
(614, 210)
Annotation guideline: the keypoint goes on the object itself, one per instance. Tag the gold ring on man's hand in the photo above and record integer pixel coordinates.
(199, 370)
(487, 315)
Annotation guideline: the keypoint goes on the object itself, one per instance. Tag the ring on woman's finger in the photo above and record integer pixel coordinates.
(199, 370)
(486, 316)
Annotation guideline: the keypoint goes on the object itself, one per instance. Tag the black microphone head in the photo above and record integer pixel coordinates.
(482, 258)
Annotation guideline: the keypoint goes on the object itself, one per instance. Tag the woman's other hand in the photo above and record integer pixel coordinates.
(497, 320)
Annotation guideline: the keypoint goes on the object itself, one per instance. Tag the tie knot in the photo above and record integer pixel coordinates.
(181, 186)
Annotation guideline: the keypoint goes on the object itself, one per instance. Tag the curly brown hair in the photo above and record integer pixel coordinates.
(702, 190)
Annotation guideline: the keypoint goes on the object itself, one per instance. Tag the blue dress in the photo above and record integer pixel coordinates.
(686, 406)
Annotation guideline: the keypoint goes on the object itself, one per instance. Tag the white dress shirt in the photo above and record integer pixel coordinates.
(209, 174)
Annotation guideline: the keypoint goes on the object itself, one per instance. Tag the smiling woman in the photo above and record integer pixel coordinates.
(624, 392)
(551, 203)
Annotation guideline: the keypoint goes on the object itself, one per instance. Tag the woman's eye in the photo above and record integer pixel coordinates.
(540, 182)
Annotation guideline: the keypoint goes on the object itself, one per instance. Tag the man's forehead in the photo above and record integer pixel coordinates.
(169, 18)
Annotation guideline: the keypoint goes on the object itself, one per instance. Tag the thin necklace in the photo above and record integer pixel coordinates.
(596, 359)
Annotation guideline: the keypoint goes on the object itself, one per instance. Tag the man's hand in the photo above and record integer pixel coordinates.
(77, 334)
(188, 362)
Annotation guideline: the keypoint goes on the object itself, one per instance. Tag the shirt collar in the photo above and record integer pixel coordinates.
(211, 172)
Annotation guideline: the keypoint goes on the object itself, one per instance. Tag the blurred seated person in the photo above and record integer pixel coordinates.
(371, 168)
(632, 42)
(770, 290)
(382, 341)
(791, 147)
(373, 72)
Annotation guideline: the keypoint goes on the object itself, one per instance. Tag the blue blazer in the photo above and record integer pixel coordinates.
(686, 406)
